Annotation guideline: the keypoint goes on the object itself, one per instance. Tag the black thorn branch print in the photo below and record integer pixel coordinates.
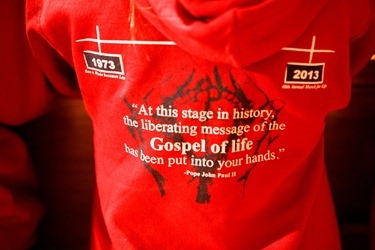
(221, 90)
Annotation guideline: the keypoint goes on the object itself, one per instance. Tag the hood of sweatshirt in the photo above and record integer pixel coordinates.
(236, 32)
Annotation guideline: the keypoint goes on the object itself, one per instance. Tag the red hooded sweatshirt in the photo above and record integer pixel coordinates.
(208, 116)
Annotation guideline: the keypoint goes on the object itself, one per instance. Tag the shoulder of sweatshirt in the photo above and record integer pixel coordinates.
(57, 22)
(360, 16)
(55, 19)
(362, 31)
(48, 31)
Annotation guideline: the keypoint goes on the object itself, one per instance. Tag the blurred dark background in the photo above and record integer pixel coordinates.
(350, 158)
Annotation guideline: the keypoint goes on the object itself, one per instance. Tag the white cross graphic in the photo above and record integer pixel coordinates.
(99, 41)
(311, 50)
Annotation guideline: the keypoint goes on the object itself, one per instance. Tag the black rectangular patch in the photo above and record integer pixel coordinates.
(103, 62)
(304, 73)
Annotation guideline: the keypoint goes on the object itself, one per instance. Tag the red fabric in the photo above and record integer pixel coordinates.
(24, 93)
(280, 63)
